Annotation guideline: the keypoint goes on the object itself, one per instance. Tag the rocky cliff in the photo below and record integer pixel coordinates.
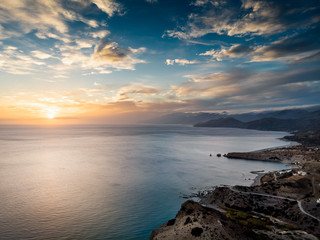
(285, 205)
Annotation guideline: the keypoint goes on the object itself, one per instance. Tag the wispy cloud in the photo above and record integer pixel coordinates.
(99, 34)
(209, 2)
(44, 16)
(293, 47)
(40, 55)
(137, 92)
(105, 57)
(50, 21)
(181, 62)
(15, 61)
(246, 17)
(246, 89)
(234, 89)
(100, 99)
(289, 49)
(110, 52)
(108, 6)
(237, 50)
(234, 54)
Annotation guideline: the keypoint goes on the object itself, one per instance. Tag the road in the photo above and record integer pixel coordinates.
(277, 197)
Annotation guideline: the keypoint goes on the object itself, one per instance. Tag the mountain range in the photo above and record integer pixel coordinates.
(281, 120)
(307, 121)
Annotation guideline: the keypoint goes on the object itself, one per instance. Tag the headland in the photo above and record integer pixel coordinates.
(281, 205)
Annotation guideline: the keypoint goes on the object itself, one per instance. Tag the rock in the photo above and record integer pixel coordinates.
(171, 222)
(195, 221)
(197, 231)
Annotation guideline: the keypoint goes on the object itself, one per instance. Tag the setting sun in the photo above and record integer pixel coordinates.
(51, 112)
(50, 115)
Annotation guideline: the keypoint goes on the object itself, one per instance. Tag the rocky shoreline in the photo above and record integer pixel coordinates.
(281, 205)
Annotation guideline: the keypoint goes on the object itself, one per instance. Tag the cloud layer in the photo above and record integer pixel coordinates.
(247, 17)
(297, 47)
(244, 89)
(68, 38)
(69, 58)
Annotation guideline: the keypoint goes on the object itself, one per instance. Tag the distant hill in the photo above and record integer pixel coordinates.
(228, 122)
(194, 118)
(283, 114)
(313, 115)
(308, 121)
(186, 118)
(273, 124)
(306, 137)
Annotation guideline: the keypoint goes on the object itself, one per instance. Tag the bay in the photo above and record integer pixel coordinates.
(114, 182)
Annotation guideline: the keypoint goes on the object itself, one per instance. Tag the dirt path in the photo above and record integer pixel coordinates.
(278, 197)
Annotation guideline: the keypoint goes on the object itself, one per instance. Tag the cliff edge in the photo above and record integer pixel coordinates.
(285, 205)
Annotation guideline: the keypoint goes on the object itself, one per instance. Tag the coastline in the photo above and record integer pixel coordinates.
(292, 143)
(280, 204)
(257, 179)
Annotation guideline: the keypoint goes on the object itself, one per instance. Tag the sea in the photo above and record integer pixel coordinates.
(112, 181)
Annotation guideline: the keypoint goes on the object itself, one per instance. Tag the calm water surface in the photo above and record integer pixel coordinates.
(113, 182)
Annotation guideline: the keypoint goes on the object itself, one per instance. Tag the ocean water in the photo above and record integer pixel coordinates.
(114, 182)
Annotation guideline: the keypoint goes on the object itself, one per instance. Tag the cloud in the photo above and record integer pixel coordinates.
(294, 48)
(205, 2)
(233, 89)
(297, 46)
(243, 89)
(144, 91)
(237, 50)
(110, 52)
(247, 17)
(103, 59)
(98, 101)
(137, 92)
(108, 6)
(181, 62)
(40, 55)
(110, 55)
(67, 48)
(100, 34)
(41, 15)
(15, 61)
(51, 18)
(152, 1)
(309, 58)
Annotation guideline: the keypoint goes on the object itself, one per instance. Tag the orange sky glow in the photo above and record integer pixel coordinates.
(112, 61)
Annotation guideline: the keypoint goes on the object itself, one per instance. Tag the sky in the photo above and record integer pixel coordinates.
(124, 61)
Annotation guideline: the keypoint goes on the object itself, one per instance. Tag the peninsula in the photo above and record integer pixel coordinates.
(283, 205)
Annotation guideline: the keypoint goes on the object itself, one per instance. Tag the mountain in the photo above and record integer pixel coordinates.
(282, 114)
(228, 122)
(310, 121)
(273, 124)
(186, 118)
(311, 138)
(313, 115)
(194, 118)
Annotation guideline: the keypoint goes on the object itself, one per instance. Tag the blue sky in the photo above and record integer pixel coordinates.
(113, 61)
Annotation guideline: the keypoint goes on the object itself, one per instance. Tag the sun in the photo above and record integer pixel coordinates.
(50, 115)
(50, 112)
